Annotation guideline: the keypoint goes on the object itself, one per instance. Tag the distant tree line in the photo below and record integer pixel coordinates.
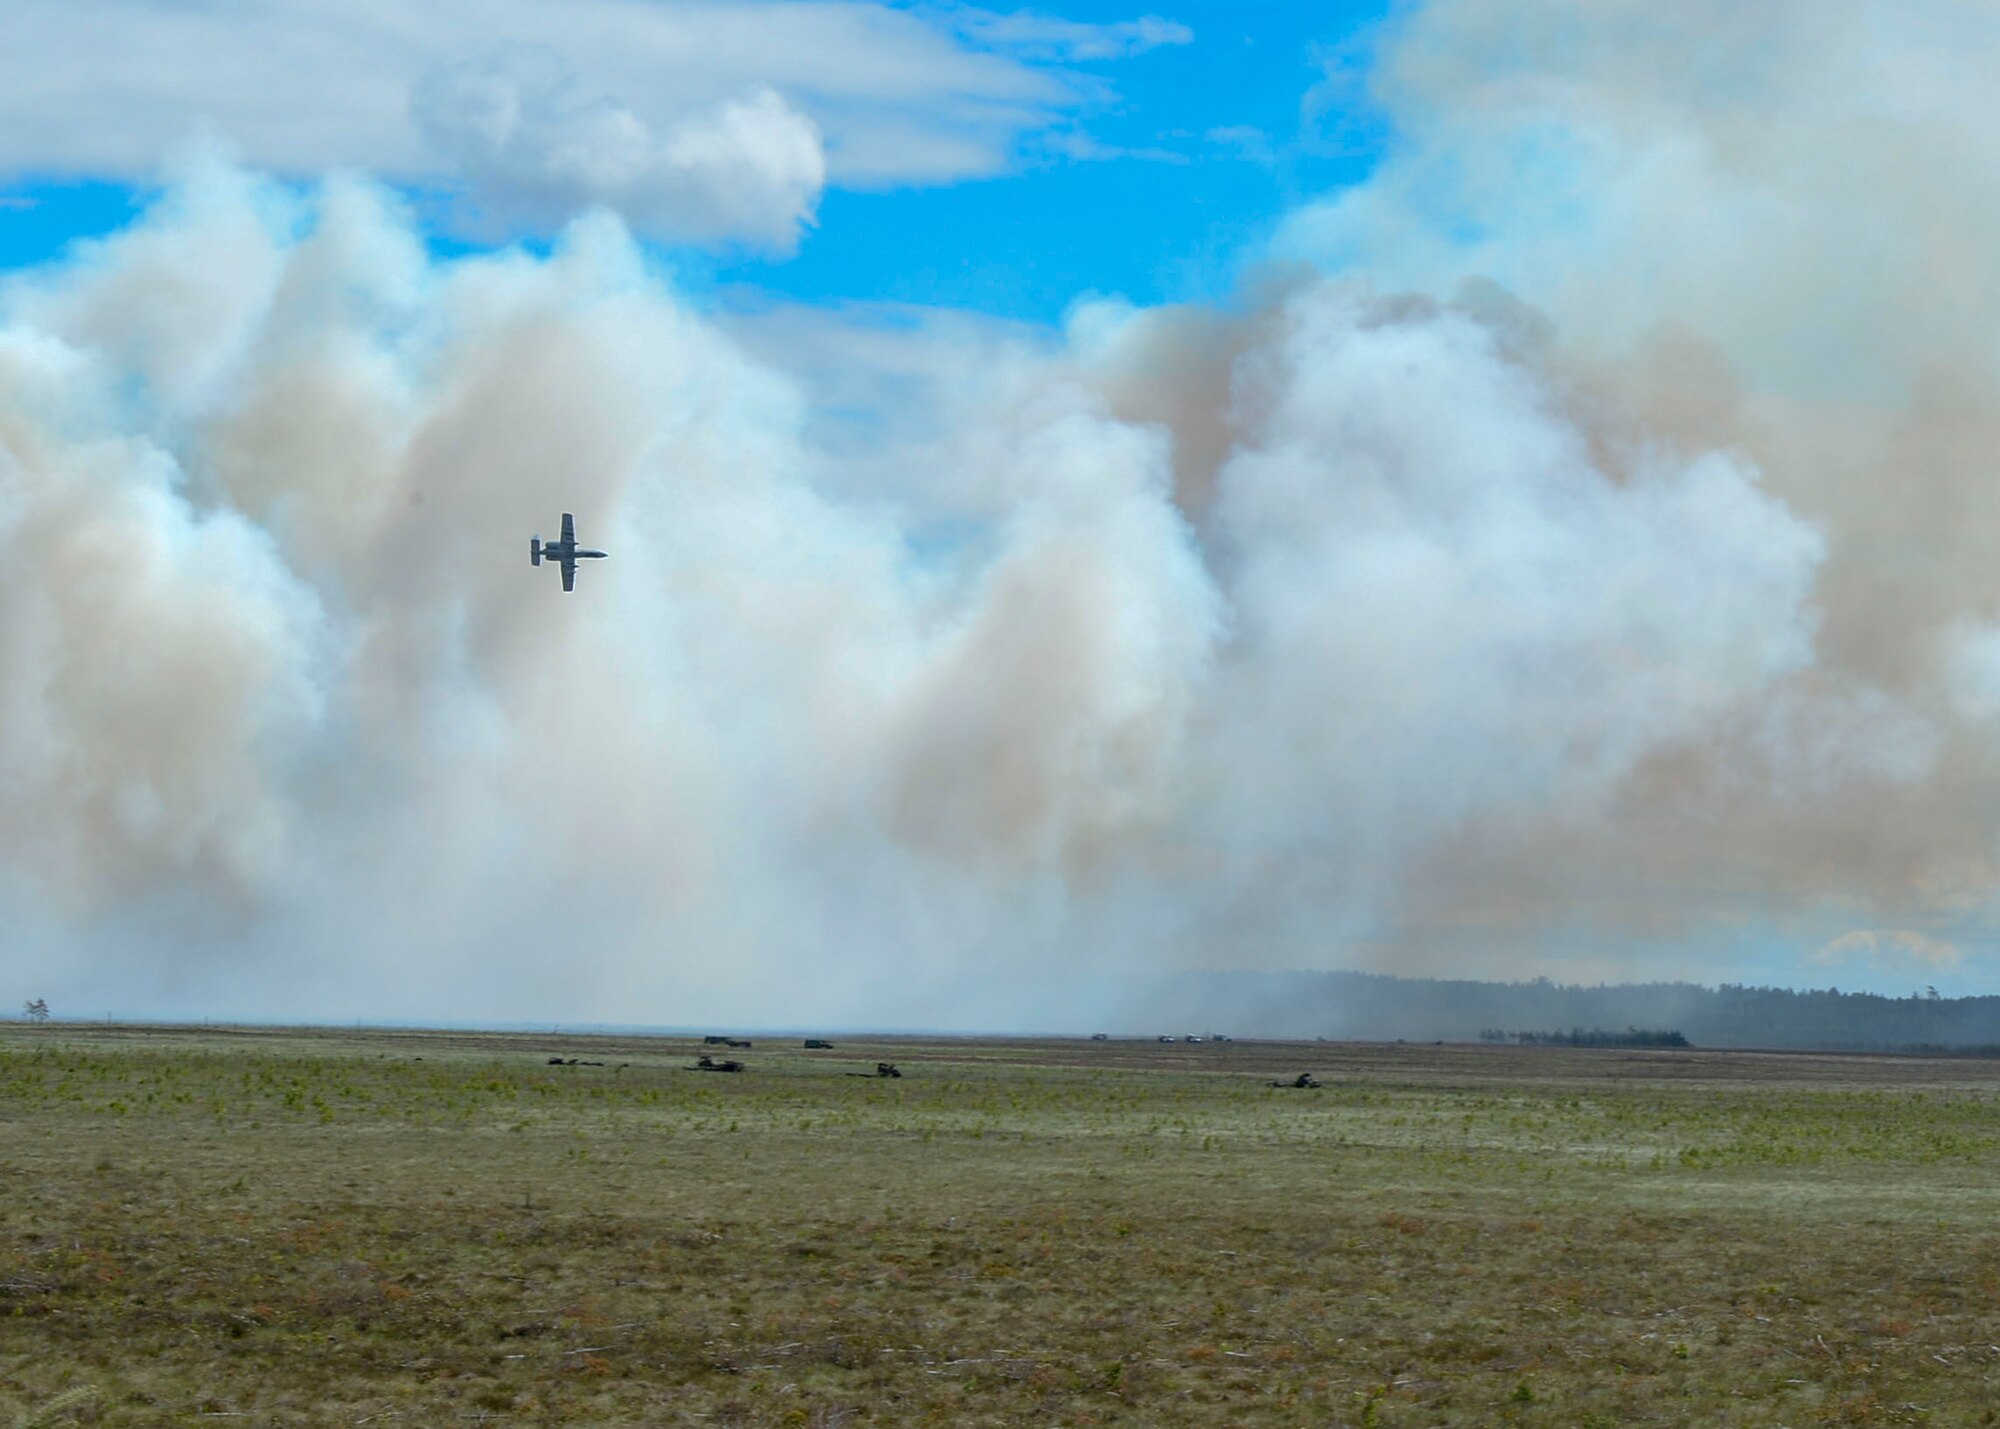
(1379, 1007)
(1595, 1037)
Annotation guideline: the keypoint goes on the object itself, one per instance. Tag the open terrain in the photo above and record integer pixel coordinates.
(340, 1228)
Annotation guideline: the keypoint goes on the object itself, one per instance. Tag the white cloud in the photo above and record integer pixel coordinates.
(1265, 634)
(1046, 36)
(1080, 147)
(694, 117)
(532, 147)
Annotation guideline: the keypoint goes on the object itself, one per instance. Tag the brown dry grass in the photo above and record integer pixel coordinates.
(428, 1229)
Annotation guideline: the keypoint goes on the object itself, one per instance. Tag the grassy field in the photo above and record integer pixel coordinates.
(333, 1228)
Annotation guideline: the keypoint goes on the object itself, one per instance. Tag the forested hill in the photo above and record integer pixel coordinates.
(1371, 1006)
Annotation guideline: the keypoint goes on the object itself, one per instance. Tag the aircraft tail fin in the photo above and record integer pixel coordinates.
(535, 550)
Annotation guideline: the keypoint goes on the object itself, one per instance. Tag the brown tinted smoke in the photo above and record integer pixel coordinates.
(1603, 593)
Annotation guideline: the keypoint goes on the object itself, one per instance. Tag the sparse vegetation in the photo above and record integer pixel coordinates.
(310, 1229)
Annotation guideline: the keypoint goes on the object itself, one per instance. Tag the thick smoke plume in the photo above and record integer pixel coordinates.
(1587, 596)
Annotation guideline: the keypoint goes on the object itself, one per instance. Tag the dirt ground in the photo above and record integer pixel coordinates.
(313, 1227)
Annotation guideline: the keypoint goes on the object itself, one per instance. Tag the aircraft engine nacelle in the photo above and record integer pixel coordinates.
(535, 550)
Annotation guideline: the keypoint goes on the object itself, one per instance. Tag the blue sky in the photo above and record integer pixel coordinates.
(1172, 220)
(1168, 172)
(1577, 565)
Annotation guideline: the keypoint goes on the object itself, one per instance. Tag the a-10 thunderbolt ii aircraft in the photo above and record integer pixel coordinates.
(565, 551)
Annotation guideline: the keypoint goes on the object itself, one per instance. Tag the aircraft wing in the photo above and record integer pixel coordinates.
(569, 529)
(569, 571)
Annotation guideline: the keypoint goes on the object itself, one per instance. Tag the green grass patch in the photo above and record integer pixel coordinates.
(299, 1228)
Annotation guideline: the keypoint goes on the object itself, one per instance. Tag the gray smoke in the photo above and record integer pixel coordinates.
(1590, 596)
(1763, 231)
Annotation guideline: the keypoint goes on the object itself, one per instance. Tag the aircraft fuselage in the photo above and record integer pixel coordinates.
(557, 551)
(565, 553)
